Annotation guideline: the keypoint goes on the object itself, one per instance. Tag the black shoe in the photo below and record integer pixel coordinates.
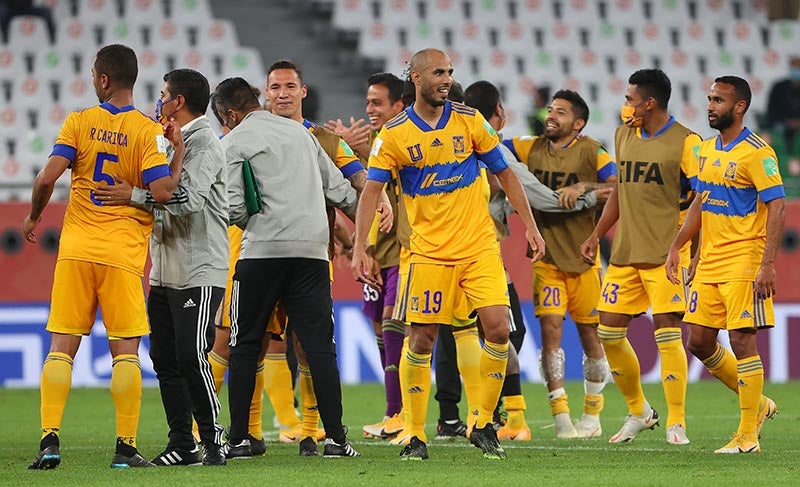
(308, 447)
(49, 456)
(486, 439)
(415, 450)
(238, 450)
(178, 456)
(257, 447)
(448, 430)
(336, 450)
(213, 455)
(127, 456)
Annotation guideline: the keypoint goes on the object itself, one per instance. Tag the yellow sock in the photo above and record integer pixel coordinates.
(308, 402)
(593, 404)
(559, 401)
(624, 366)
(468, 356)
(401, 369)
(674, 373)
(722, 365)
(493, 369)
(751, 385)
(126, 391)
(515, 406)
(55, 385)
(218, 367)
(417, 371)
(278, 384)
(254, 423)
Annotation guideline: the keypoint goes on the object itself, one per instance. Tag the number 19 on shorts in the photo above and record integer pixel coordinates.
(429, 302)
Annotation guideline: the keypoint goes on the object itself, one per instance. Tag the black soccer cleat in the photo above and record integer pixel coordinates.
(213, 455)
(177, 456)
(415, 450)
(449, 430)
(49, 456)
(308, 447)
(133, 461)
(337, 450)
(237, 450)
(257, 447)
(486, 439)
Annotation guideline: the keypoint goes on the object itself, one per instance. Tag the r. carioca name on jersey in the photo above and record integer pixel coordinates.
(103, 135)
(640, 172)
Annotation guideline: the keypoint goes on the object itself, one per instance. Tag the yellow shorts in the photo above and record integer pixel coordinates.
(630, 290)
(728, 306)
(79, 287)
(439, 293)
(555, 292)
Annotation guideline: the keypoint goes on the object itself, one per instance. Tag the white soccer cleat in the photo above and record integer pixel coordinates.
(588, 426)
(565, 430)
(676, 435)
(635, 425)
(375, 430)
(741, 444)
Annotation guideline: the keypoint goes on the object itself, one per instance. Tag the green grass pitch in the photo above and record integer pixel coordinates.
(712, 415)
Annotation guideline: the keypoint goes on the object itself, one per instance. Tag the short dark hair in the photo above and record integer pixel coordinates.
(393, 84)
(482, 96)
(212, 101)
(740, 87)
(192, 85)
(119, 63)
(579, 107)
(286, 64)
(456, 92)
(236, 94)
(653, 83)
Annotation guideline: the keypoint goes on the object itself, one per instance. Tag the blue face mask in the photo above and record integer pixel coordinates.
(794, 74)
(160, 117)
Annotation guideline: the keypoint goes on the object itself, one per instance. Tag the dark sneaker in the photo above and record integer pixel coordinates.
(238, 450)
(49, 456)
(257, 447)
(486, 439)
(133, 461)
(213, 455)
(336, 450)
(308, 447)
(178, 456)
(415, 450)
(451, 429)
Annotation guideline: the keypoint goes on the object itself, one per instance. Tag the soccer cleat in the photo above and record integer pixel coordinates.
(588, 426)
(375, 430)
(515, 434)
(257, 447)
(121, 460)
(291, 435)
(338, 450)
(402, 438)
(213, 455)
(768, 410)
(49, 456)
(416, 449)
(177, 456)
(635, 425)
(392, 426)
(564, 428)
(741, 444)
(308, 447)
(676, 435)
(238, 450)
(486, 439)
(451, 429)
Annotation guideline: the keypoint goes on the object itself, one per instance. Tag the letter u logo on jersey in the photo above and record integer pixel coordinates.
(415, 151)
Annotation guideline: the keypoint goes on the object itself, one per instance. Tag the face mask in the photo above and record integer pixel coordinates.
(626, 113)
(160, 117)
(794, 74)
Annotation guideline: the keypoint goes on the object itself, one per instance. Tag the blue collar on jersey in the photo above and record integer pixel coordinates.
(745, 133)
(660, 131)
(114, 110)
(307, 124)
(423, 125)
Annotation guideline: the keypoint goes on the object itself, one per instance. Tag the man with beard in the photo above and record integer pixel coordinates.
(741, 212)
(437, 147)
(655, 156)
(571, 164)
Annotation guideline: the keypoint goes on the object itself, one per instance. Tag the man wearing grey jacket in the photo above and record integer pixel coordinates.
(189, 252)
(284, 253)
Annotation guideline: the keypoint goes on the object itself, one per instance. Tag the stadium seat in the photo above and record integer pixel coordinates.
(352, 14)
(165, 36)
(53, 64)
(538, 14)
(14, 63)
(652, 38)
(29, 92)
(607, 37)
(60, 8)
(143, 11)
(78, 93)
(516, 38)
(125, 32)
(744, 36)
(445, 13)
(98, 11)
(698, 37)
(218, 36)
(25, 32)
(624, 12)
(197, 12)
(784, 36)
(75, 34)
(378, 41)
(245, 62)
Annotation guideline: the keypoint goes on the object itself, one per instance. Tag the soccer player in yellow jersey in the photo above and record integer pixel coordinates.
(656, 163)
(437, 147)
(741, 212)
(572, 164)
(102, 250)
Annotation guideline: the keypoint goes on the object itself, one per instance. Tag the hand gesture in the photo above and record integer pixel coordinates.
(568, 196)
(673, 264)
(118, 194)
(765, 281)
(589, 249)
(536, 242)
(28, 226)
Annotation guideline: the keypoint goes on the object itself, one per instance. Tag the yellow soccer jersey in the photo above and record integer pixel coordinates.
(439, 169)
(734, 182)
(102, 142)
(521, 148)
(345, 160)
